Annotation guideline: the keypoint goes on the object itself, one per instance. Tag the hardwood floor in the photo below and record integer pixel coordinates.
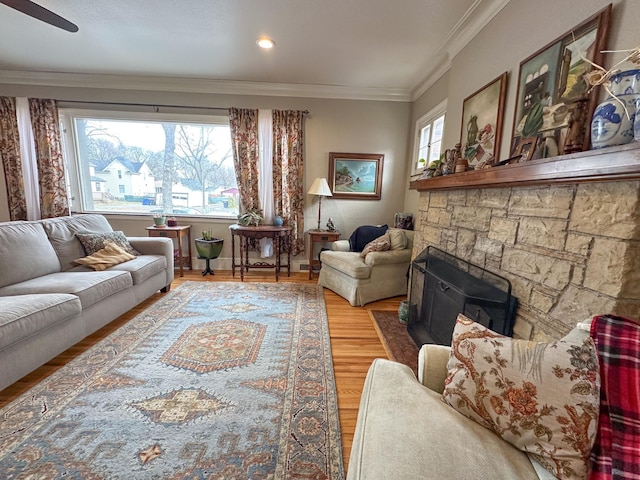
(354, 344)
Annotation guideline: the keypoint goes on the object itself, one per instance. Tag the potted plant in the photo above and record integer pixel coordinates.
(252, 217)
(159, 220)
(208, 248)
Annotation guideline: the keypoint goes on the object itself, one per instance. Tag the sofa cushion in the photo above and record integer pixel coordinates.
(92, 242)
(380, 244)
(405, 431)
(90, 287)
(541, 397)
(363, 235)
(62, 235)
(143, 267)
(25, 252)
(109, 256)
(24, 315)
(398, 238)
(348, 263)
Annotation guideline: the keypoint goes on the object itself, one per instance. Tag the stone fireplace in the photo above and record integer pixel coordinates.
(570, 250)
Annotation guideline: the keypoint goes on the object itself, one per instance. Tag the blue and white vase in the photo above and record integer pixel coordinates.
(611, 124)
(625, 83)
(636, 123)
(278, 221)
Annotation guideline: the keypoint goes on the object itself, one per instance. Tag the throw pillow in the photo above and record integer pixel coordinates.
(543, 398)
(112, 254)
(92, 242)
(398, 238)
(363, 235)
(380, 244)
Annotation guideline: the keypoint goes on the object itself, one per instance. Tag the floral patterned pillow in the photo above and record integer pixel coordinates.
(543, 398)
(92, 242)
(380, 244)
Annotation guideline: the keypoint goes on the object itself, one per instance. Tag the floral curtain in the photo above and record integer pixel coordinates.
(244, 142)
(54, 201)
(288, 173)
(11, 161)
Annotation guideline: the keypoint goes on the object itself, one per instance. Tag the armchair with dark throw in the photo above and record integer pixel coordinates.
(370, 266)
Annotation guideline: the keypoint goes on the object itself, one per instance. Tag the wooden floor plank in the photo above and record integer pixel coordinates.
(354, 344)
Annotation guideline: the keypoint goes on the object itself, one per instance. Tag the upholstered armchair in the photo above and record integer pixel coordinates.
(361, 279)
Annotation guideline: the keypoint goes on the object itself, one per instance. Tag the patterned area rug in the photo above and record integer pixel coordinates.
(395, 339)
(215, 380)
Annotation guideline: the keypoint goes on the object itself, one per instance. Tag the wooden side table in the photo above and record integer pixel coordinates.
(319, 236)
(179, 232)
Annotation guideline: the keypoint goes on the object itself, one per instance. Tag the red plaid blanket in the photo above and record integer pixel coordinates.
(616, 454)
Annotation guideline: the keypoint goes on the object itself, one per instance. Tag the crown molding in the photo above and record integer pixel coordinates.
(433, 77)
(468, 27)
(201, 85)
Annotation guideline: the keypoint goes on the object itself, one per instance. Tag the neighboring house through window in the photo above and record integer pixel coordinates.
(125, 151)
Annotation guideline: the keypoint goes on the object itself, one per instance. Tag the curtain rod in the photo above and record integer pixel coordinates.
(154, 105)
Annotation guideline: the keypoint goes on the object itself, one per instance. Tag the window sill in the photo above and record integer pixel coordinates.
(608, 164)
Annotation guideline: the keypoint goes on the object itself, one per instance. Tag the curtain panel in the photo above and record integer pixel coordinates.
(54, 201)
(288, 173)
(244, 142)
(11, 160)
(287, 166)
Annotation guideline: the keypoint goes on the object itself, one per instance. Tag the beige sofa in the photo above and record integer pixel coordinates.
(406, 431)
(362, 280)
(48, 303)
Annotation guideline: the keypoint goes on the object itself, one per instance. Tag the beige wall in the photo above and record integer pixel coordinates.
(519, 30)
(332, 126)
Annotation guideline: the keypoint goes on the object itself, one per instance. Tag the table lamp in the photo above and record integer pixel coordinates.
(320, 187)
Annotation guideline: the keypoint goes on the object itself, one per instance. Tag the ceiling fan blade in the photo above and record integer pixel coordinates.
(36, 11)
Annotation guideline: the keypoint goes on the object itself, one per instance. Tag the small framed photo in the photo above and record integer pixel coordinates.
(526, 147)
(356, 175)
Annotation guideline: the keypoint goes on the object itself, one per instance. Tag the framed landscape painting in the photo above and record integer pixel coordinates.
(554, 102)
(482, 114)
(356, 175)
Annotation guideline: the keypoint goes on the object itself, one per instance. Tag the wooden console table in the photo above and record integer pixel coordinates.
(245, 234)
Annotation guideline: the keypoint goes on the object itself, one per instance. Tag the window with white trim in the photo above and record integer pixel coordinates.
(136, 163)
(428, 138)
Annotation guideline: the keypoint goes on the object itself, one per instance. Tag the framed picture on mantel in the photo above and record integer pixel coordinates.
(481, 130)
(554, 103)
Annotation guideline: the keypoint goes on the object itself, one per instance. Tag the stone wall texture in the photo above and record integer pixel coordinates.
(570, 251)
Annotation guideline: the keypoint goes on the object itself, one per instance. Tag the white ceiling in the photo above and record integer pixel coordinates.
(366, 48)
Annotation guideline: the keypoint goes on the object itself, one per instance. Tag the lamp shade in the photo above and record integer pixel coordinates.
(320, 187)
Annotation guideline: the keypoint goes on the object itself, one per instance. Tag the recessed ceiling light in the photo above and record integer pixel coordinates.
(265, 42)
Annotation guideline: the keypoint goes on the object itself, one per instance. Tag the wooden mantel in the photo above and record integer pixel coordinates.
(608, 164)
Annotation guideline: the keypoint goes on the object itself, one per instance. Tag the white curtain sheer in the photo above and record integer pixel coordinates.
(29, 161)
(265, 179)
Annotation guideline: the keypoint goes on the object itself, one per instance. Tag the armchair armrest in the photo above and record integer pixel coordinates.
(388, 257)
(341, 246)
(432, 366)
